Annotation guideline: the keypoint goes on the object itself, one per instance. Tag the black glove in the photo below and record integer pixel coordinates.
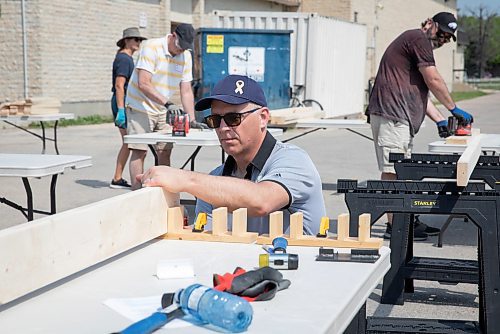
(443, 129)
(197, 125)
(173, 109)
(254, 285)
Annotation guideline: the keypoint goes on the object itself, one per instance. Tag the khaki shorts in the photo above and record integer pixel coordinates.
(390, 136)
(142, 122)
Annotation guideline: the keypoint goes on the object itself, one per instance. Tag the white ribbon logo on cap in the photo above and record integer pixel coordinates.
(239, 87)
(452, 25)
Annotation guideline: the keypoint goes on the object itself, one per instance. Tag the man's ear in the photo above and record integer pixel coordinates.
(264, 117)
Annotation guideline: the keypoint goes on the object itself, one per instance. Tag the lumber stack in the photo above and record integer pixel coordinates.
(31, 106)
(289, 116)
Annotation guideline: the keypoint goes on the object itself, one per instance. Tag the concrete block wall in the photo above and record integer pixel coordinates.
(385, 20)
(11, 53)
(335, 8)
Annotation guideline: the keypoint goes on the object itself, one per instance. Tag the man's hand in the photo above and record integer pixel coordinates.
(120, 119)
(197, 125)
(443, 129)
(462, 116)
(173, 109)
(171, 179)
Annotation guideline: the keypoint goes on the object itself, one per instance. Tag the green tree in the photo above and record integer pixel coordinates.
(483, 30)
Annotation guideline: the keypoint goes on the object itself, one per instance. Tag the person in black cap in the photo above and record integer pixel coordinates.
(163, 64)
(400, 100)
(260, 173)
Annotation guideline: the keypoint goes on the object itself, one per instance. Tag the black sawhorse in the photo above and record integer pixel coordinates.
(444, 166)
(481, 206)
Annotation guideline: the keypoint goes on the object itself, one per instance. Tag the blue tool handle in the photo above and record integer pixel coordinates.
(147, 325)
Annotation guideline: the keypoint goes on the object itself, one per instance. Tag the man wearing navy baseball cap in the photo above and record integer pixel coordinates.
(260, 173)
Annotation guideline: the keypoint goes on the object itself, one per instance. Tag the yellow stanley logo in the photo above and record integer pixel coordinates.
(424, 203)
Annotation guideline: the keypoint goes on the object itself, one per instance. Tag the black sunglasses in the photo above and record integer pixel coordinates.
(444, 35)
(138, 40)
(231, 119)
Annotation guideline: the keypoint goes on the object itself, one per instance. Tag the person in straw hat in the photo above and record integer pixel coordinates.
(123, 66)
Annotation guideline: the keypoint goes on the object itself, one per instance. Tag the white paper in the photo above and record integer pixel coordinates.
(175, 268)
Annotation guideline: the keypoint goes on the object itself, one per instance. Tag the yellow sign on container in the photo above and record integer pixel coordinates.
(215, 43)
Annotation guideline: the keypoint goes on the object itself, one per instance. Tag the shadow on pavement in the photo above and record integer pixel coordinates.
(93, 183)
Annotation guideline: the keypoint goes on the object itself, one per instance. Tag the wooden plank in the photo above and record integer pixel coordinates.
(468, 161)
(275, 224)
(343, 226)
(219, 221)
(292, 115)
(296, 225)
(462, 140)
(364, 227)
(45, 250)
(239, 221)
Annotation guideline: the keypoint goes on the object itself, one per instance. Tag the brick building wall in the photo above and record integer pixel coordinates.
(385, 20)
(71, 45)
(335, 8)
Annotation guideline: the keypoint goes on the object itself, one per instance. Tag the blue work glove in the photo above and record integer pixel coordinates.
(464, 117)
(120, 119)
(443, 129)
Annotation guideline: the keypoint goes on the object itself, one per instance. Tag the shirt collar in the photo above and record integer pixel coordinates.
(258, 161)
(164, 43)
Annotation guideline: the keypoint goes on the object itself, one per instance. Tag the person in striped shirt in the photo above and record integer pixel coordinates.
(164, 65)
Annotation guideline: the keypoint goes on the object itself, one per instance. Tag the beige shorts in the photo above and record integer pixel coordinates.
(390, 136)
(141, 122)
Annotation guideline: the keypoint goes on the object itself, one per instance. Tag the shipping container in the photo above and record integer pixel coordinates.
(327, 56)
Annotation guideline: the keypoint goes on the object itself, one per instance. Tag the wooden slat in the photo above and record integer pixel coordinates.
(45, 250)
(292, 115)
(468, 160)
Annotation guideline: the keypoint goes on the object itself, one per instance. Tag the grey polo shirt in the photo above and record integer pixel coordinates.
(292, 168)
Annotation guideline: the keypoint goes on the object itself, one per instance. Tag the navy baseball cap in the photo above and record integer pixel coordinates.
(234, 89)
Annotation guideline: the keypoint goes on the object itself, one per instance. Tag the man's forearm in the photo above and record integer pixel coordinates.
(438, 87)
(233, 193)
(187, 100)
(433, 113)
(152, 94)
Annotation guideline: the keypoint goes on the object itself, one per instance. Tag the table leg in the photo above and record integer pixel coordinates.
(43, 137)
(191, 158)
(155, 154)
(29, 198)
(55, 136)
(53, 194)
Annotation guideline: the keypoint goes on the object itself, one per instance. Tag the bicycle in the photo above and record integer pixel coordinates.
(295, 100)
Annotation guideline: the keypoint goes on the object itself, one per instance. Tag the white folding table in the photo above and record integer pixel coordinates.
(195, 137)
(13, 119)
(489, 143)
(330, 123)
(28, 166)
(324, 297)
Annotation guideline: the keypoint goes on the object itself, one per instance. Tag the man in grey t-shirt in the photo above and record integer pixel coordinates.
(260, 174)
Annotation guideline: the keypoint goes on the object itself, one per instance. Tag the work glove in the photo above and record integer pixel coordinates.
(255, 285)
(443, 128)
(197, 125)
(173, 109)
(120, 119)
(464, 117)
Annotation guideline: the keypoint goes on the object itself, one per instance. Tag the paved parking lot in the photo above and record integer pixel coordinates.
(336, 153)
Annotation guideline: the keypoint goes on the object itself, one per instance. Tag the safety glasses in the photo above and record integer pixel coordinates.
(444, 35)
(231, 119)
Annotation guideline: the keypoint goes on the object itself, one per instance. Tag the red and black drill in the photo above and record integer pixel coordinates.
(459, 127)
